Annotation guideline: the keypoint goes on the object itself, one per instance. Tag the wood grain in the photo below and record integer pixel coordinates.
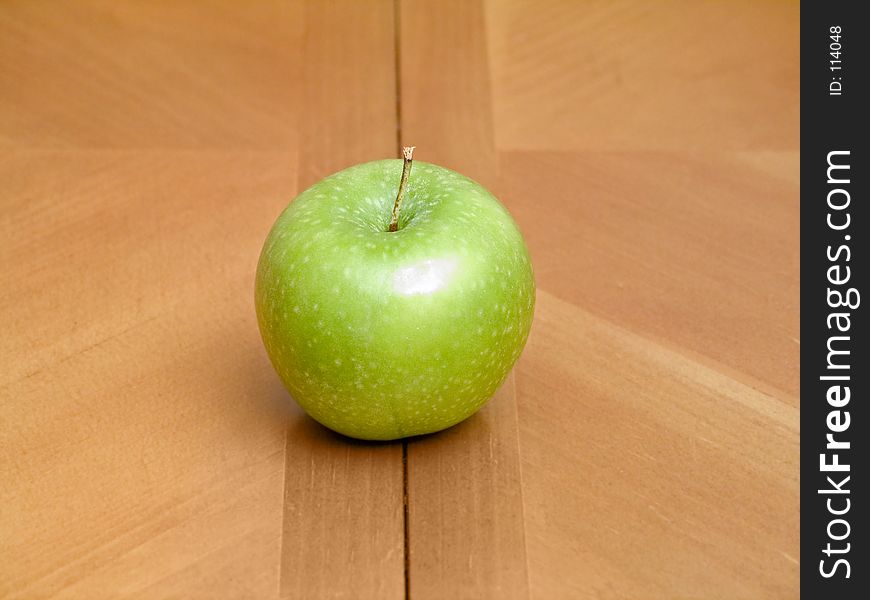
(137, 456)
(348, 86)
(647, 474)
(625, 75)
(699, 250)
(136, 452)
(647, 443)
(164, 74)
(658, 395)
(445, 86)
(343, 501)
(466, 526)
(466, 518)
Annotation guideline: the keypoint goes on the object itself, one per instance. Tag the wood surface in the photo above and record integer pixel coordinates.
(343, 533)
(645, 446)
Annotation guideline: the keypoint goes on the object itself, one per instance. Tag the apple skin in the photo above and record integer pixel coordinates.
(382, 335)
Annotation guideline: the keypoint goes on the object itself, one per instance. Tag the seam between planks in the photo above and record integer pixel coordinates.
(397, 53)
(514, 374)
(406, 521)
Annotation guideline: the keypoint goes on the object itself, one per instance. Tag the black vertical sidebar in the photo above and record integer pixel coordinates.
(835, 368)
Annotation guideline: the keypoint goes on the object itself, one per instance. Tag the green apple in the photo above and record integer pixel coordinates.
(383, 334)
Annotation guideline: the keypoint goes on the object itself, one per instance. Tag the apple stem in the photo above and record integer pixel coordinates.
(408, 152)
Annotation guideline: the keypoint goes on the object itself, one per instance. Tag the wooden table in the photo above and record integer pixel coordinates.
(646, 445)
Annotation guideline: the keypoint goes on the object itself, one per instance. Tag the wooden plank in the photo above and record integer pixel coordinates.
(137, 454)
(348, 87)
(630, 75)
(445, 97)
(144, 432)
(636, 118)
(343, 534)
(713, 273)
(466, 507)
(466, 534)
(163, 74)
(653, 170)
(649, 475)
